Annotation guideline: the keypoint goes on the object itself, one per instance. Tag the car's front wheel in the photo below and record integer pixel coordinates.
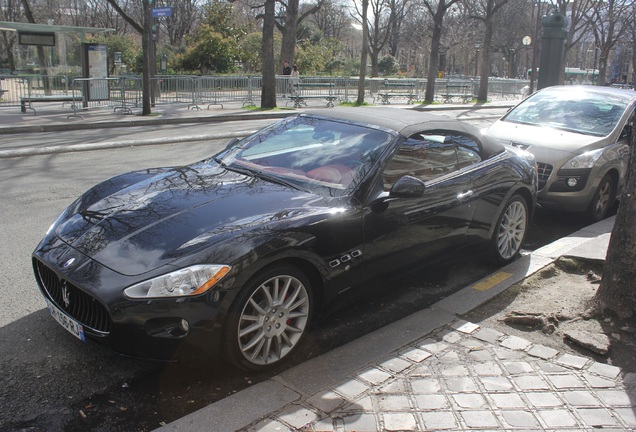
(603, 199)
(510, 231)
(268, 318)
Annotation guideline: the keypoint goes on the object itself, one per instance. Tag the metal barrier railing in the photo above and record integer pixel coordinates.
(15, 87)
(124, 93)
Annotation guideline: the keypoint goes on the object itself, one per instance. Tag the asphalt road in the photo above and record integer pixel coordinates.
(49, 381)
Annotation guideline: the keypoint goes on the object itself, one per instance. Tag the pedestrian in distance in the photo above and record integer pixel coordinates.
(295, 75)
(287, 71)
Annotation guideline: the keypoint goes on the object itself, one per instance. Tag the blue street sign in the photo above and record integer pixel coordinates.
(161, 12)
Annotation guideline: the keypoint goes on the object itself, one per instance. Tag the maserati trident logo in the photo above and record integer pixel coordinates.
(66, 295)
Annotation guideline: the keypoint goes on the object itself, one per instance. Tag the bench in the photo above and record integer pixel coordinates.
(301, 91)
(461, 91)
(24, 100)
(399, 90)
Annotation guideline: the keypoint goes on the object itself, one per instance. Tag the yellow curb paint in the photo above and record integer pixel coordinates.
(490, 282)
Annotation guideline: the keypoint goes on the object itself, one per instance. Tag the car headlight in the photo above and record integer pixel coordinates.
(585, 160)
(189, 281)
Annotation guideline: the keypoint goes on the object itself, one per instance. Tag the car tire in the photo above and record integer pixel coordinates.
(268, 319)
(510, 231)
(603, 199)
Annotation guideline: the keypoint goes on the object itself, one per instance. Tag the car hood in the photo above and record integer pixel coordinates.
(167, 216)
(538, 139)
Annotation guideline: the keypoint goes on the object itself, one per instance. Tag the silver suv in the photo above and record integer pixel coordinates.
(580, 137)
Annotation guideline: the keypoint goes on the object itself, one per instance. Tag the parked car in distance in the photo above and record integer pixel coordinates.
(236, 254)
(580, 137)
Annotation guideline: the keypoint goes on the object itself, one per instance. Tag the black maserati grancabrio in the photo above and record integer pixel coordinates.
(233, 255)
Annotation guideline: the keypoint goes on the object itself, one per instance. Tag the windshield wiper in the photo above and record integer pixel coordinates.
(275, 179)
(263, 175)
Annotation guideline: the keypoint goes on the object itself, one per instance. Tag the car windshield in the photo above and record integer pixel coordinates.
(325, 156)
(587, 113)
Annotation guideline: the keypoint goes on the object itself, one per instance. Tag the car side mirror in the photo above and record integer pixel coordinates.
(408, 187)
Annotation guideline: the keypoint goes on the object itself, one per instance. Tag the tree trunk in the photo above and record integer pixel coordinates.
(268, 95)
(375, 70)
(145, 47)
(40, 50)
(288, 48)
(602, 67)
(363, 53)
(617, 291)
(434, 57)
(485, 63)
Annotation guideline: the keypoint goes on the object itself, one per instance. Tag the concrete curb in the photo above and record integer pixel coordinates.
(33, 151)
(142, 122)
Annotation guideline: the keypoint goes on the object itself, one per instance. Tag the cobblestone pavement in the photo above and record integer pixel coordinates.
(464, 377)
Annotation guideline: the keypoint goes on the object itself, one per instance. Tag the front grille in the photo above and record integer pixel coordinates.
(544, 171)
(81, 306)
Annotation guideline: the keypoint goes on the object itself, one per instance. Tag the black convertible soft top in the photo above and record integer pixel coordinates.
(406, 122)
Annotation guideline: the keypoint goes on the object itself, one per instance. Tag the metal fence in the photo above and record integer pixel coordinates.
(124, 94)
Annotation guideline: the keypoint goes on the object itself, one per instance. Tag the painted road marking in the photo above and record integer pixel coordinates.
(491, 281)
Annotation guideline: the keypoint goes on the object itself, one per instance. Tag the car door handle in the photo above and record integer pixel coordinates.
(465, 195)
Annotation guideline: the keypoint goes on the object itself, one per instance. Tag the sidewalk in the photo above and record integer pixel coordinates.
(53, 116)
(433, 371)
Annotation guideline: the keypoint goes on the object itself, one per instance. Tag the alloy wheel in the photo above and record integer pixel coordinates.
(273, 320)
(512, 230)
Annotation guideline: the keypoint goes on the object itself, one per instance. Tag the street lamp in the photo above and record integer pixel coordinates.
(476, 59)
(163, 64)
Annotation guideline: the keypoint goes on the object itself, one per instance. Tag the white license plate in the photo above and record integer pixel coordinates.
(72, 326)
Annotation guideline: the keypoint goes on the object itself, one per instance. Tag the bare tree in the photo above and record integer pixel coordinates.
(510, 27)
(42, 59)
(287, 23)
(485, 11)
(144, 29)
(632, 30)
(609, 25)
(399, 10)
(9, 11)
(268, 94)
(185, 16)
(578, 15)
(363, 51)
(332, 20)
(437, 10)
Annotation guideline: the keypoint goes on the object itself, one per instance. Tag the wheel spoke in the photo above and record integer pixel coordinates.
(267, 345)
(250, 329)
(292, 297)
(257, 307)
(256, 340)
(286, 288)
(298, 304)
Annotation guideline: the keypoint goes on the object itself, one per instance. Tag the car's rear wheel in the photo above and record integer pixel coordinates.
(603, 199)
(510, 231)
(269, 318)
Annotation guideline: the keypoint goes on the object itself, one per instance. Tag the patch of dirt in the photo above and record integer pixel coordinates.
(548, 308)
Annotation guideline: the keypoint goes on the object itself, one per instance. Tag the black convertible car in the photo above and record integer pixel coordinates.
(234, 254)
